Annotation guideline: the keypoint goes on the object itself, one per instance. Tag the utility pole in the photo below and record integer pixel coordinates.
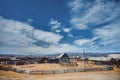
(84, 58)
(84, 53)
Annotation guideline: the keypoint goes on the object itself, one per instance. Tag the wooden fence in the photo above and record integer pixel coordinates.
(56, 71)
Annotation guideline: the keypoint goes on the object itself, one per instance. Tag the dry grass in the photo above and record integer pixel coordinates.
(102, 75)
(48, 66)
(9, 75)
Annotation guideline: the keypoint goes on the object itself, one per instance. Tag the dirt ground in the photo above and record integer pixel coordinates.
(101, 75)
(48, 66)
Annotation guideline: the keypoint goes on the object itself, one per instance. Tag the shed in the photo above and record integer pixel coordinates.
(114, 56)
(99, 60)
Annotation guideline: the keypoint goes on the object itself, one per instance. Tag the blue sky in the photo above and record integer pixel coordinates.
(57, 26)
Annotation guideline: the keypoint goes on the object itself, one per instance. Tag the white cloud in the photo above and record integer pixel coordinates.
(58, 28)
(19, 37)
(58, 31)
(102, 12)
(109, 35)
(75, 5)
(30, 20)
(59, 48)
(20, 34)
(14, 33)
(98, 12)
(54, 24)
(67, 30)
(86, 42)
(70, 35)
(85, 13)
(105, 39)
(78, 24)
(89, 45)
(82, 42)
(46, 36)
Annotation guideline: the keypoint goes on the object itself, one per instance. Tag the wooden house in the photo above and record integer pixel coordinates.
(4, 60)
(114, 59)
(44, 60)
(63, 58)
(54, 60)
(17, 62)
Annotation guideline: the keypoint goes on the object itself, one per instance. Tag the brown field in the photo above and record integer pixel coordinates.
(48, 66)
(102, 75)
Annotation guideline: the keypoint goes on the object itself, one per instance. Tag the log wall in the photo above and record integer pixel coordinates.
(55, 71)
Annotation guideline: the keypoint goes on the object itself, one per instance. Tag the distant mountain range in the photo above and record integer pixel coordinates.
(70, 54)
(87, 54)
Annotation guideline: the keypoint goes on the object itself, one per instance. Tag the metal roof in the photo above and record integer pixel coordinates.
(114, 56)
(61, 55)
(99, 58)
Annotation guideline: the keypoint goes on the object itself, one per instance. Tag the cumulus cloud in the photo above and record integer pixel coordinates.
(58, 28)
(67, 30)
(90, 13)
(54, 24)
(48, 37)
(58, 31)
(15, 33)
(19, 37)
(52, 49)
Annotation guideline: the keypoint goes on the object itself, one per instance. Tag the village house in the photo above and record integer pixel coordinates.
(4, 60)
(16, 61)
(114, 59)
(63, 58)
(54, 60)
(44, 60)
